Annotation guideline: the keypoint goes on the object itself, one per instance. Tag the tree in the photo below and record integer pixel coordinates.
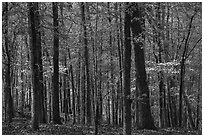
(35, 60)
(97, 90)
(137, 27)
(56, 115)
(8, 97)
(91, 79)
(73, 89)
(184, 57)
(86, 57)
(127, 67)
(159, 60)
(120, 54)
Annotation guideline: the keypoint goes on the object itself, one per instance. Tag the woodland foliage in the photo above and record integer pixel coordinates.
(90, 83)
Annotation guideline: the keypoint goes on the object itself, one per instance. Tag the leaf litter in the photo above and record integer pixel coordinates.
(22, 126)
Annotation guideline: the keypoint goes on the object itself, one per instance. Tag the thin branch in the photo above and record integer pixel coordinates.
(193, 48)
(188, 37)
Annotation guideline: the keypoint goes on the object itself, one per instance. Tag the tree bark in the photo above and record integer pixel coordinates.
(182, 70)
(127, 123)
(35, 57)
(160, 73)
(122, 55)
(73, 89)
(137, 26)
(86, 56)
(96, 95)
(56, 113)
(8, 97)
(42, 118)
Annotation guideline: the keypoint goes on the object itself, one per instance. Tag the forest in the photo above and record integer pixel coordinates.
(101, 68)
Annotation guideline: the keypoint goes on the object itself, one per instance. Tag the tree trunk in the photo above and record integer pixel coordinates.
(56, 113)
(78, 85)
(22, 84)
(65, 91)
(97, 117)
(96, 95)
(68, 94)
(41, 94)
(108, 101)
(146, 119)
(182, 70)
(182, 73)
(83, 91)
(119, 83)
(100, 81)
(122, 53)
(35, 57)
(160, 73)
(73, 89)
(86, 56)
(8, 97)
(127, 123)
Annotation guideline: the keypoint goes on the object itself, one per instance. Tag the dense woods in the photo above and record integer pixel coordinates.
(119, 67)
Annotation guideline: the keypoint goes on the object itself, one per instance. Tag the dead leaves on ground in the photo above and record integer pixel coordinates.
(21, 126)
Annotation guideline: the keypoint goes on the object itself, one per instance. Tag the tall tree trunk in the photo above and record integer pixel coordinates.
(86, 56)
(111, 62)
(70, 111)
(182, 70)
(146, 119)
(122, 54)
(182, 73)
(8, 97)
(83, 92)
(120, 81)
(96, 97)
(41, 87)
(167, 59)
(22, 84)
(160, 37)
(96, 117)
(45, 116)
(160, 75)
(108, 100)
(35, 57)
(56, 113)
(78, 81)
(73, 89)
(127, 123)
(100, 81)
(65, 91)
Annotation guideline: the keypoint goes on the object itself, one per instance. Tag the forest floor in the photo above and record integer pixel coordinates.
(22, 126)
